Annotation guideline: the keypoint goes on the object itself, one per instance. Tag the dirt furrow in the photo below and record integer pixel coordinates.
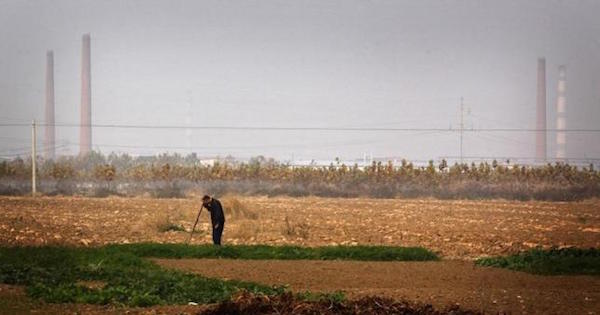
(439, 283)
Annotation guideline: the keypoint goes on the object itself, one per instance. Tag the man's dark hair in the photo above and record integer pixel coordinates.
(206, 198)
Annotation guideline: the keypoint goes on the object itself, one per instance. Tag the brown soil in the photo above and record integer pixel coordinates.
(456, 229)
(439, 283)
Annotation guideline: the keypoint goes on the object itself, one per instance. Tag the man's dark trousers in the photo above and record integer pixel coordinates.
(217, 232)
(217, 218)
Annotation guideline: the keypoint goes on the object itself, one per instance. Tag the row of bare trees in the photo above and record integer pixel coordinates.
(432, 177)
(173, 167)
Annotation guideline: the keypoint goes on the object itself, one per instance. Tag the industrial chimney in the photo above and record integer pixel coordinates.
(561, 123)
(49, 140)
(85, 133)
(540, 134)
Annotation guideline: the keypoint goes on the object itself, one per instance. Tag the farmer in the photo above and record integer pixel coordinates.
(217, 217)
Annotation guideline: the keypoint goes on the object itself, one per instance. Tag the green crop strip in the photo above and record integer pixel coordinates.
(550, 262)
(54, 273)
(264, 252)
(122, 276)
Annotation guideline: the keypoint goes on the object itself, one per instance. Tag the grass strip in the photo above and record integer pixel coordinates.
(565, 261)
(265, 252)
(55, 274)
(120, 275)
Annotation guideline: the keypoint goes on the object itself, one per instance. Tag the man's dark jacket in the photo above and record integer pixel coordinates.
(216, 212)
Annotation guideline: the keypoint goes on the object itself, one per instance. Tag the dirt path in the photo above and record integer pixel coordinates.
(439, 283)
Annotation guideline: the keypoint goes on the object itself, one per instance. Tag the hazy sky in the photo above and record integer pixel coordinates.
(306, 64)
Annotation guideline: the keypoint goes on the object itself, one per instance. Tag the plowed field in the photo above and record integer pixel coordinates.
(458, 230)
(444, 283)
(454, 229)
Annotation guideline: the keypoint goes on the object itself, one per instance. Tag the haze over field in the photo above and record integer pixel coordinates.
(225, 157)
(395, 64)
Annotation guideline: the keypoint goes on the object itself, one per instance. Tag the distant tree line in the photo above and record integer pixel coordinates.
(558, 181)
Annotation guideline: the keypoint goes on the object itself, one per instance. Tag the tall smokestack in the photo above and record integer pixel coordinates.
(49, 139)
(540, 135)
(85, 133)
(561, 123)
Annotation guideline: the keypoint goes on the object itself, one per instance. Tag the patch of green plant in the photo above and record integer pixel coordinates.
(376, 253)
(550, 262)
(52, 274)
(264, 252)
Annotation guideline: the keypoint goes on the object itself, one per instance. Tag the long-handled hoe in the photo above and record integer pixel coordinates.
(194, 228)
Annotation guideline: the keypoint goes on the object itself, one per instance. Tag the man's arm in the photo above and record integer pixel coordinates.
(220, 212)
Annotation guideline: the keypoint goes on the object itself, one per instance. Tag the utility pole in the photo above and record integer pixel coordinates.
(462, 127)
(33, 157)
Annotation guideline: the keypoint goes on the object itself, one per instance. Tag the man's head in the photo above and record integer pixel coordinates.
(206, 199)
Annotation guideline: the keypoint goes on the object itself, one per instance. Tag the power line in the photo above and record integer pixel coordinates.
(522, 158)
(514, 158)
(309, 128)
(28, 152)
(213, 148)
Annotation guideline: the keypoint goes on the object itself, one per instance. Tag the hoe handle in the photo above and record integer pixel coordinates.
(197, 218)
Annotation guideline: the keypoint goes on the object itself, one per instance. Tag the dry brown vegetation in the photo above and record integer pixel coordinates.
(167, 222)
(176, 176)
(292, 229)
(251, 304)
(234, 208)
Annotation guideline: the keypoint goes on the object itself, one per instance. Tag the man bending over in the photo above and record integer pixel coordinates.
(217, 217)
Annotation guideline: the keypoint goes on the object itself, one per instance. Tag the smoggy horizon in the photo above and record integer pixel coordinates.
(380, 78)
